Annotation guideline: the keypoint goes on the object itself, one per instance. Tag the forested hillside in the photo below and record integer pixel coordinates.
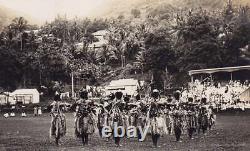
(150, 40)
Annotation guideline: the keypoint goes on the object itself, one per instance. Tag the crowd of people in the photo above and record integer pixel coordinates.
(220, 95)
(161, 116)
(187, 112)
(13, 111)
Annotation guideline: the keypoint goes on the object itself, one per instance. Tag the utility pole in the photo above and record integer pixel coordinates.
(72, 84)
(40, 73)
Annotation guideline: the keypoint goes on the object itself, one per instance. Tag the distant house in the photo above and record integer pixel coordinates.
(35, 32)
(126, 86)
(26, 96)
(100, 35)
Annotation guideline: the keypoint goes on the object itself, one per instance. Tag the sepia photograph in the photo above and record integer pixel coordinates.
(124, 75)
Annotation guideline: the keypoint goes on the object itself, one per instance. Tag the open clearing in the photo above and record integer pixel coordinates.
(232, 132)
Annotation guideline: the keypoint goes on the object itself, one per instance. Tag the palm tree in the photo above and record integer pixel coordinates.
(19, 24)
(17, 27)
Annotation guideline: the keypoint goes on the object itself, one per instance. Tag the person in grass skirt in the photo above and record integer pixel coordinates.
(56, 108)
(84, 108)
(153, 115)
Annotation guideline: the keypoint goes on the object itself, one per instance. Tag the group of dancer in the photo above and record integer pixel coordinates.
(158, 116)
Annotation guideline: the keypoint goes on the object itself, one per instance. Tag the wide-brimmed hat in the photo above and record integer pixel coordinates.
(155, 91)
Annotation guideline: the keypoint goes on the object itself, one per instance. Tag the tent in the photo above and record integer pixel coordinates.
(26, 96)
(5, 97)
(126, 86)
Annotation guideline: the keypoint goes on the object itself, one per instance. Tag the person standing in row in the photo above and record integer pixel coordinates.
(153, 114)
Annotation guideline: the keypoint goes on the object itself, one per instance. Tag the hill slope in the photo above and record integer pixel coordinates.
(115, 8)
(124, 7)
(5, 16)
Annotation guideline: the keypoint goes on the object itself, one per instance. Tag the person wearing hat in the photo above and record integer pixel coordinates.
(154, 110)
(118, 101)
(80, 107)
(57, 109)
(84, 107)
(155, 96)
(152, 115)
(118, 110)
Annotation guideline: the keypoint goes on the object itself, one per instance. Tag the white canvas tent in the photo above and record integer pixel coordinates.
(5, 97)
(126, 86)
(25, 96)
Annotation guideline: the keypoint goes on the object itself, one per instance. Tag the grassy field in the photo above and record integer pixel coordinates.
(232, 132)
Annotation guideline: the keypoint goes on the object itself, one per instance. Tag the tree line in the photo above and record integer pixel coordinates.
(160, 41)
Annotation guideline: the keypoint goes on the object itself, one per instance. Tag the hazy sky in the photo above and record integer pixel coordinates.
(44, 10)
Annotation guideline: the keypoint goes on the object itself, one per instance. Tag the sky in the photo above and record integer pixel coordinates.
(47, 10)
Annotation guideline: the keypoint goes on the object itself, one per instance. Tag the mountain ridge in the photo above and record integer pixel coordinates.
(124, 7)
(115, 8)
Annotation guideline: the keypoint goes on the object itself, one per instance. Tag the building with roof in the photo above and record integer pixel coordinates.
(101, 41)
(217, 70)
(25, 96)
(100, 35)
(126, 86)
(4, 97)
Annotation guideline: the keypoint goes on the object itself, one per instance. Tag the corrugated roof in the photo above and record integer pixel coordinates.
(214, 70)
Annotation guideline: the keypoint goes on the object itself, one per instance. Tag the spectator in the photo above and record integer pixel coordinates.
(35, 111)
(23, 114)
(39, 111)
(6, 115)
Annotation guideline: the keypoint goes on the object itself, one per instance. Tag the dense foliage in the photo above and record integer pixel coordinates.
(160, 41)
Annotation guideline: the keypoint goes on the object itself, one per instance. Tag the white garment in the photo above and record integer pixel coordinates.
(6, 115)
(158, 125)
(12, 114)
(39, 111)
(23, 115)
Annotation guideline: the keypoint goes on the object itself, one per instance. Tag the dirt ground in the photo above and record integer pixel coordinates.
(232, 132)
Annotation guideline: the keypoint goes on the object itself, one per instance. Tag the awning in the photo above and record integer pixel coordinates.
(215, 70)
